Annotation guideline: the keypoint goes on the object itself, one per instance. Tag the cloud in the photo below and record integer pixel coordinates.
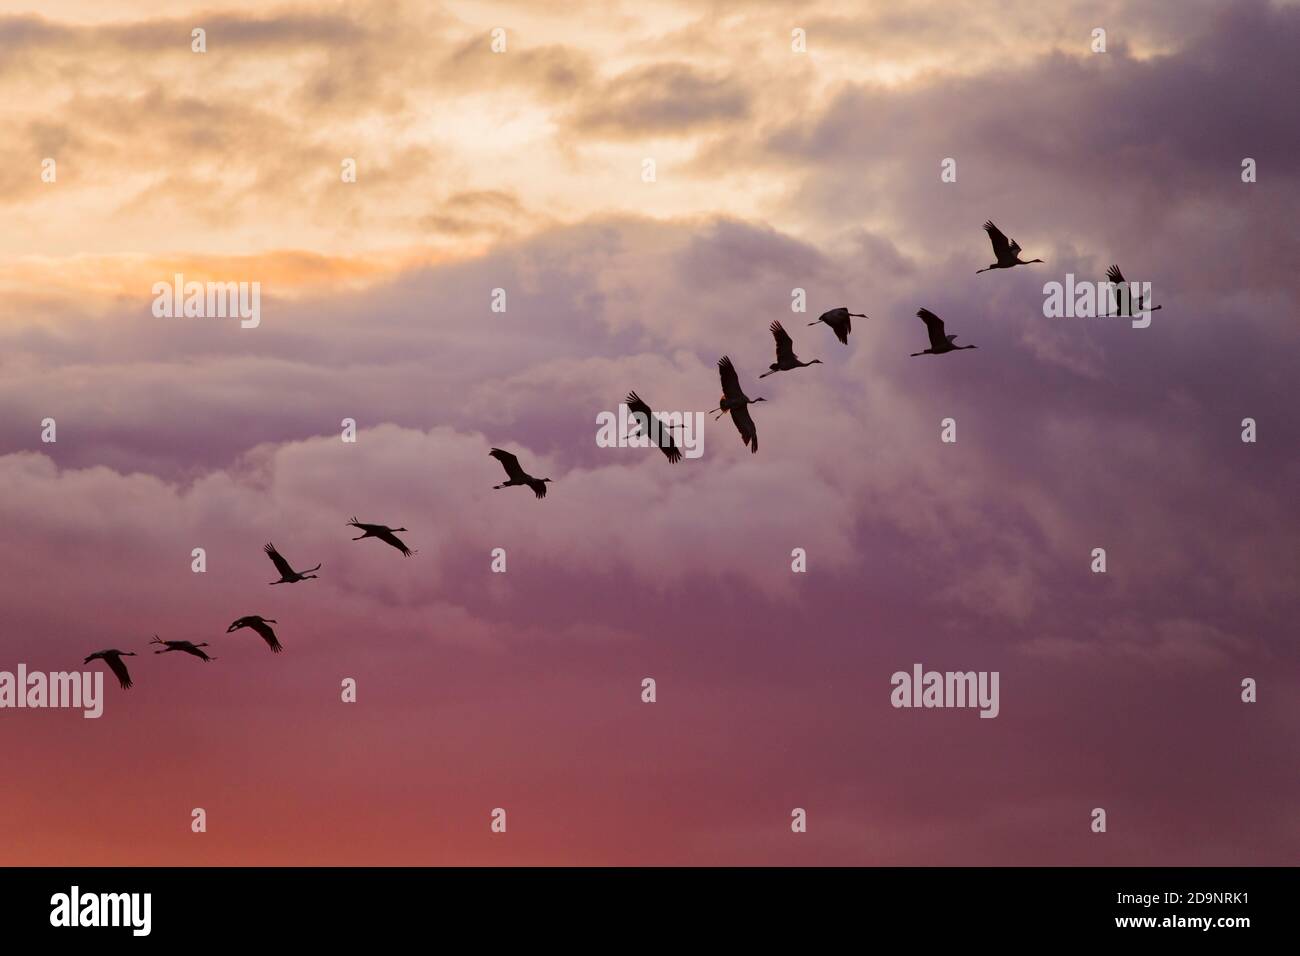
(662, 99)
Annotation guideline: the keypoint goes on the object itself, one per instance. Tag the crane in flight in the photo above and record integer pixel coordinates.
(287, 574)
(786, 360)
(1006, 250)
(517, 475)
(939, 343)
(735, 401)
(1124, 300)
(383, 533)
(185, 647)
(113, 658)
(262, 626)
(666, 444)
(838, 320)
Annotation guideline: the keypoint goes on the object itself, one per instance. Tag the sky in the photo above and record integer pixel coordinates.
(775, 169)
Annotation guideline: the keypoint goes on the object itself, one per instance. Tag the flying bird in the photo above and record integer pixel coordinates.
(733, 400)
(786, 360)
(1007, 250)
(113, 658)
(383, 533)
(838, 319)
(939, 343)
(262, 626)
(184, 646)
(287, 574)
(666, 443)
(517, 475)
(1125, 303)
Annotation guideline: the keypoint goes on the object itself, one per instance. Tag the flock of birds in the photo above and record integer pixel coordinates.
(254, 622)
(734, 402)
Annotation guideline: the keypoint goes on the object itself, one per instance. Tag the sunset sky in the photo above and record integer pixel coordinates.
(774, 170)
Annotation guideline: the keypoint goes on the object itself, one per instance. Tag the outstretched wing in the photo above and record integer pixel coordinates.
(118, 667)
(840, 323)
(1002, 246)
(745, 425)
(538, 486)
(510, 463)
(637, 408)
(730, 380)
(1121, 296)
(190, 648)
(784, 344)
(268, 635)
(933, 326)
(281, 565)
(388, 537)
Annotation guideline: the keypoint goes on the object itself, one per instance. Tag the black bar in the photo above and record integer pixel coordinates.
(328, 906)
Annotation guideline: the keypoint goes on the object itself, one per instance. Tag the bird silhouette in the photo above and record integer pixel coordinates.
(786, 360)
(113, 658)
(1006, 250)
(666, 444)
(383, 533)
(262, 625)
(517, 475)
(838, 319)
(1124, 303)
(734, 400)
(184, 646)
(939, 343)
(287, 574)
